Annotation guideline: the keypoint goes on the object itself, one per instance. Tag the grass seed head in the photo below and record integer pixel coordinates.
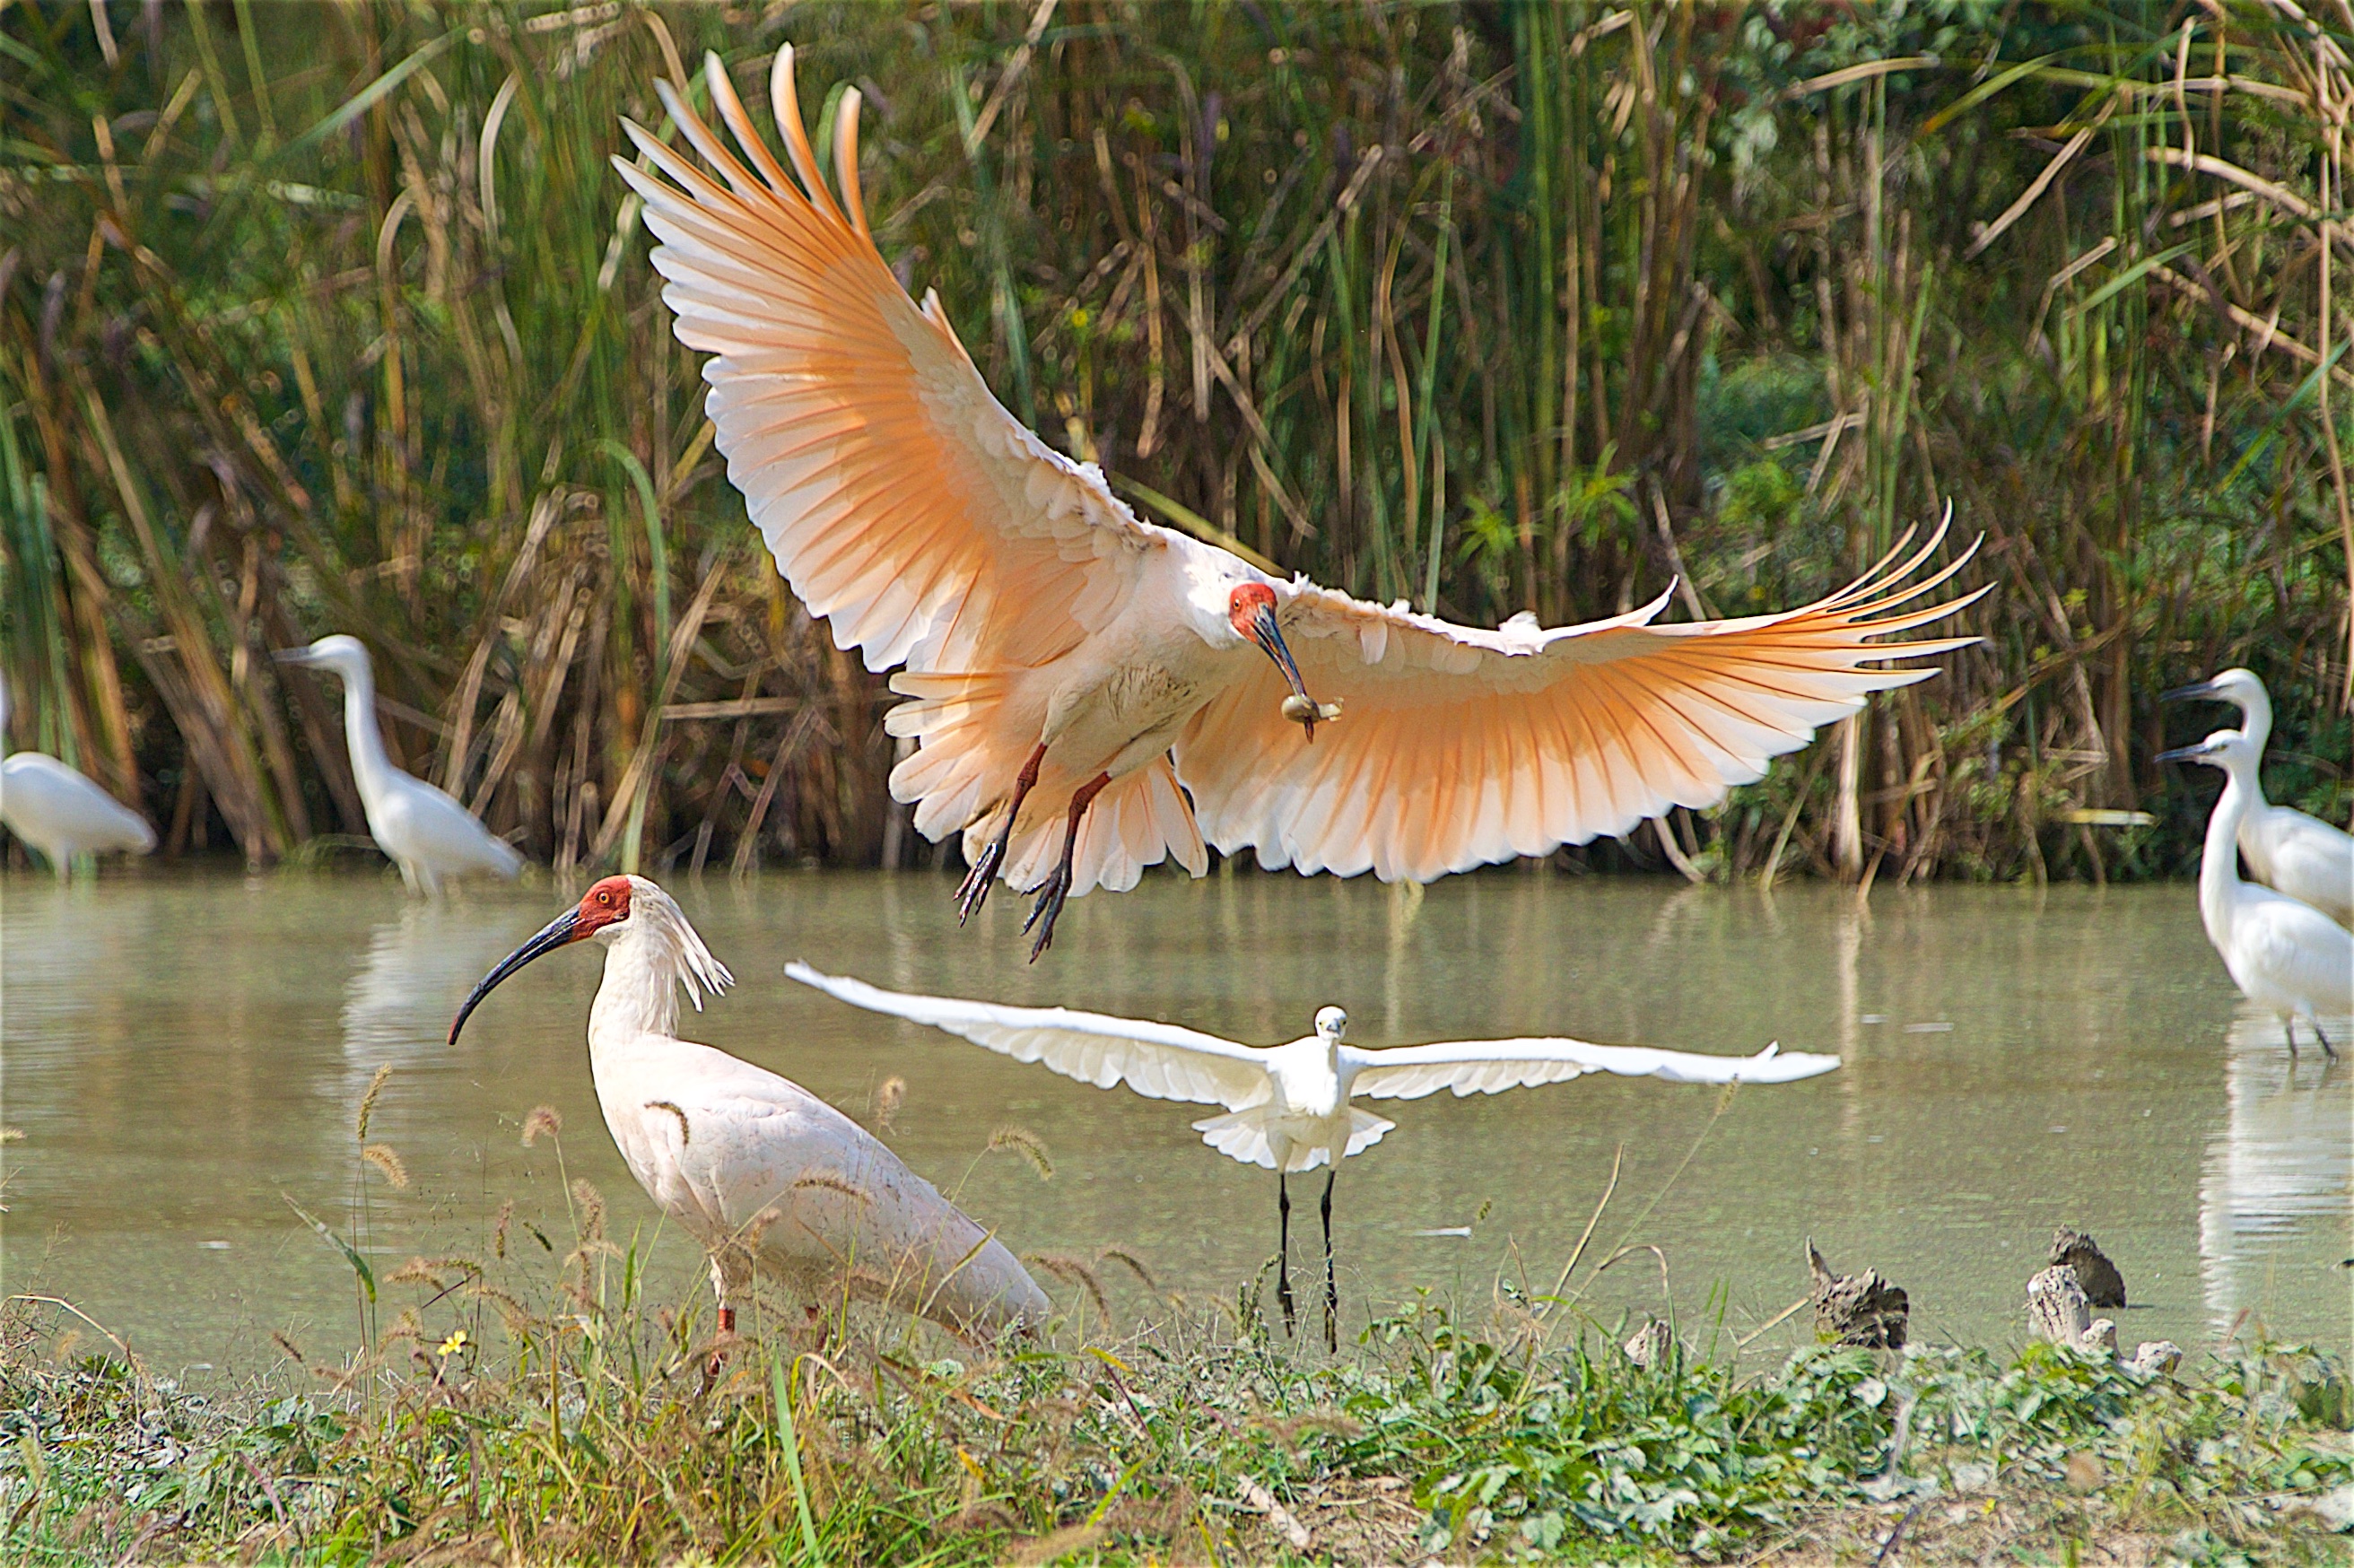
(889, 1095)
(367, 1101)
(544, 1120)
(385, 1159)
(1074, 1270)
(589, 1207)
(1021, 1140)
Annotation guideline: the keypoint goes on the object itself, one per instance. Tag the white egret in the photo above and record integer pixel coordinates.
(2290, 852)
(427, 834)
(1287, 1105)
(1066, 656)
(766, 1175)
(2284, 955)
(61, 812)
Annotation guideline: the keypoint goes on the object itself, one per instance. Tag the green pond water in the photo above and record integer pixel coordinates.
(183, 1052)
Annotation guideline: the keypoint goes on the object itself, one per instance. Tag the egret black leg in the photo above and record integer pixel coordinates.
(1283, 1252)
(974, 891)
(2326, 1048)
(1057, 889)
(2288, 1027)
(1332, 1290)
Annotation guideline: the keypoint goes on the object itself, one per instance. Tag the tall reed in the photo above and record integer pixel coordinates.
(1528, 306)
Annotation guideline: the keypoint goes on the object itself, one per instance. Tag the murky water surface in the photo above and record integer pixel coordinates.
(182, 1055)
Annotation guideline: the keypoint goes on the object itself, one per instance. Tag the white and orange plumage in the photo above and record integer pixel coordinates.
(1087, 699)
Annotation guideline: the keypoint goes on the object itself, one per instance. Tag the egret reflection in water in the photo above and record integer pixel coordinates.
(419, 965)
(2016, 1059)
(2279, 1166)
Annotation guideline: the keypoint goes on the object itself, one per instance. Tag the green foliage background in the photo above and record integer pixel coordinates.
(333, 317)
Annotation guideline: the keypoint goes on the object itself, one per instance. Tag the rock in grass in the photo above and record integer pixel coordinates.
(1857, 1308)
(2056, 1308)
(2155, 1358)
(2103, 1286)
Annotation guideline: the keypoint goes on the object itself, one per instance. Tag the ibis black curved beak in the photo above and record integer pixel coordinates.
(2184, 694)
(556, 934)
(1269, 638)
(2199, 752)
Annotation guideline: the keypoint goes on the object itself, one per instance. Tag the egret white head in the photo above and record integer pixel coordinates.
(2243, 689)
(2228, 749)
(1332, 1023)
(347, 656)
(616, 910)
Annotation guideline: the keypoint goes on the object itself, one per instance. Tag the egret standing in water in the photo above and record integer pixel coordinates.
(59, 811)
(767, 1176)
(427, 834)
(2290, 852)
(1287, 1105)
(2284, 955)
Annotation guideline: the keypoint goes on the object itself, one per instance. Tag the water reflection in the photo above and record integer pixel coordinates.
(2280, 1164)
(398, 1003)
(181, 1051)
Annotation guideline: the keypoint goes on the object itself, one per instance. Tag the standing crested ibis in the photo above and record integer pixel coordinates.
(427, 832)
(1094, 694)
(61, 812)
(2283, 954)
(2290, 852)
(1287, 1105)
(766, 1175)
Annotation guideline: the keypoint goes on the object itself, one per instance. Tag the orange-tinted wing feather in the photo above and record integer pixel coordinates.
(899, 498)
(1457, 746)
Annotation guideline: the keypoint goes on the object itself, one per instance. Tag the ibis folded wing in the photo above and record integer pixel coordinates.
(1490, 1066)
(1456, 746)
(1159, 1060)
(900, 499)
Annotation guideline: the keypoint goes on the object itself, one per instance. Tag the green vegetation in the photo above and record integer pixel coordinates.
(589, 1436)
(336, 319)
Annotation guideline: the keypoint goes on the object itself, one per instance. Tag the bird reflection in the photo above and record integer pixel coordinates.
(2279, 1166)
(420, 964)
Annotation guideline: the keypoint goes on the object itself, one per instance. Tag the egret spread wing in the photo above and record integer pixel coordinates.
(899, 498)
(1159, 1060)
(1489, 1066)
(1457, 746)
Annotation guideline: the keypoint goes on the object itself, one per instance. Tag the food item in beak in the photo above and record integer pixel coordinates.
(1308, 711)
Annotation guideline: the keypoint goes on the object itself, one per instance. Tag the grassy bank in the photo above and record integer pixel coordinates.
(345, 325)
(586, 1435)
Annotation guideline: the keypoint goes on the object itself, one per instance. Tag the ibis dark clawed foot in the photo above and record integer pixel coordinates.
(1056, 891)
(1283, 1254)
(1332, 1290)
(973, 891)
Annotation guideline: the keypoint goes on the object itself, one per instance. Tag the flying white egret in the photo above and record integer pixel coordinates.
(61, 812)
(2284, 955)
(1287, 1105)
(427, 834)
(768, 1177)
(2290, 852)
(1068, 658)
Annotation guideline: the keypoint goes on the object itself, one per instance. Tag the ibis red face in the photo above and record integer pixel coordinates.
(1250, 609)
(607, 904)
